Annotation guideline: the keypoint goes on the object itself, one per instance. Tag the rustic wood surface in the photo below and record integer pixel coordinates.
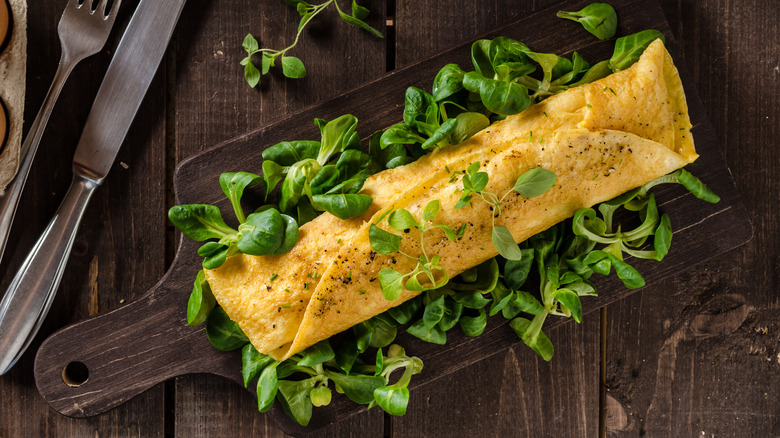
(693, 354)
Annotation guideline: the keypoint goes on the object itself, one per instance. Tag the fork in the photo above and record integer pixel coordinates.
(83, 31)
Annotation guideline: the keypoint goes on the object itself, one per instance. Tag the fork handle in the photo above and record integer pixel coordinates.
(10, 201)
(34, 286)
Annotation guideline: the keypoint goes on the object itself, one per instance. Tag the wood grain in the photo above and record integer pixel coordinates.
(718, 380)
(702, 358)
(115, 269)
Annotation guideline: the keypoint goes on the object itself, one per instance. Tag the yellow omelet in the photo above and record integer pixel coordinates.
(600, 139)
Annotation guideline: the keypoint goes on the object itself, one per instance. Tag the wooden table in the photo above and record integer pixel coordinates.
(695, 355)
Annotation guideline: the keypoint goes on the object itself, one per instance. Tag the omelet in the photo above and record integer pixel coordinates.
(600, 139)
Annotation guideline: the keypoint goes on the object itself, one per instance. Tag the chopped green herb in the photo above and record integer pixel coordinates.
(273, 277)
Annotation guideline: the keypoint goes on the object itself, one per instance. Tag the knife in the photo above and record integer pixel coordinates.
(32, 290)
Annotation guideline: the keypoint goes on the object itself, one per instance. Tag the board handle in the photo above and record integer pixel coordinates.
(92, 366)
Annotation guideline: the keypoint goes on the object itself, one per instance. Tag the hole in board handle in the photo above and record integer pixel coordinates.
(75, 374)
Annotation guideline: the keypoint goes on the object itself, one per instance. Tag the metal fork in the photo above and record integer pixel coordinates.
(83, 31)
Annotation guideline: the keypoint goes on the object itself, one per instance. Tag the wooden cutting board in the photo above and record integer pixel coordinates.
(124, 352)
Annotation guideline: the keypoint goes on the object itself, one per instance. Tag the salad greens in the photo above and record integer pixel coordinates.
(302, 381)
(293, 67)
(548, 274)
(313, 169)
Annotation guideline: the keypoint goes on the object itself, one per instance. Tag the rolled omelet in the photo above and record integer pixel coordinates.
(600, 139)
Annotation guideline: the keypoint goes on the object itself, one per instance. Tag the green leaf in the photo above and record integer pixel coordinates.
(250, 44)
(392, 400)
(199, 222)
(223, 333)
(267, 387)
(466, 125)
(572, 302)
(359, 23)
(599, 19)
(358, 11)
(382, 241)
(346, 353)
(214, 254)
(533, 336)
(505, 243)
(439, 137)
(401, 220)
(399, 134)
(534, 182)
(405, 312)
(695, 186)
(528, 303)
(452, 312)
(479, 181)
(516, 271)
(662, 240)
(201, 301)
(586, 224)
(343, 206)
(336, 137)
(363, 332)
(434, 312)
(359, 388)
(474, 325)
(384, 333)
(262, 233)
(294, 398)
(391, 282)
(317, 354)
(290, 236)
(430, 210)
(419, 106)
(252, 363)
(267, 62)
(433, 334)
(630, 276)
(293, 67)
(629, 48)
(480, 58)
(504, 98)
(251, 73)
(287, 153)
(448, 81)
(233, 185)
(471, 299)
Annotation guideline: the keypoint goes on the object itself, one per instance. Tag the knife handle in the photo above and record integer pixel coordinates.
(32, 290)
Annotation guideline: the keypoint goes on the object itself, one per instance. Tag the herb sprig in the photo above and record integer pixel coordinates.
(293, 67)
(531, 184)
(384, 242)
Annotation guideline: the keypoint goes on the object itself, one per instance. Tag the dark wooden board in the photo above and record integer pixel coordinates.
(147, 341)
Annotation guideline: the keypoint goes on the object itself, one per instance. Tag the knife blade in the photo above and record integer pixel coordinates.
(135, 62)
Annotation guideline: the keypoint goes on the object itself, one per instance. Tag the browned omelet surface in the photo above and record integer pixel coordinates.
(601, 139)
